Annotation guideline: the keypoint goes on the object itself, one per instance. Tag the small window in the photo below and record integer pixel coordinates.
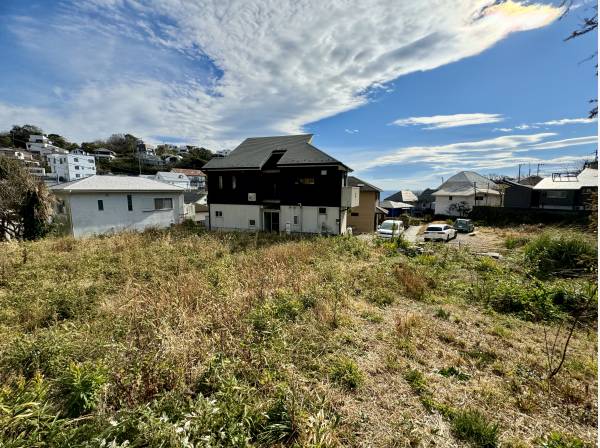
(556, 194)
(220, 182)
(307, 180)
(233, 183)
(129, 203)
(163, 203)
(100, 204)
(76, 167)
(295, 220)
(449, 198)
(76, 159)
(251, 222)
(322, 211)
(218, 214)
(479, 198)
(354, 214)
(323, 172)
(77, 175)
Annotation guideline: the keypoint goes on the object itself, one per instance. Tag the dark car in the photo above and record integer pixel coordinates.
(464, 225)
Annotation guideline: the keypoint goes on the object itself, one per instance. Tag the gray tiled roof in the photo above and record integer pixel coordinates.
(402, 196)
(365, 186)
(466, 183)
(254, 152)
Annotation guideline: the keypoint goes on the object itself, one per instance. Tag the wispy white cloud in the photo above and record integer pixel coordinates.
(449, 121)
(545, 124)
(499, 152)
(214, 72)
(351, 131)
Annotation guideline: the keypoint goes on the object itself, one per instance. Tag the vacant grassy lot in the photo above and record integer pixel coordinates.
(190, 339)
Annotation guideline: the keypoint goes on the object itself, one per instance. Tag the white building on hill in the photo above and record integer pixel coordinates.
(69, 167)
(41, 146)
(108, 204)
(178, 179)
(461, 192)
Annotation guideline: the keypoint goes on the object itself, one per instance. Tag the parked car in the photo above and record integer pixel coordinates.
(390, 228)
(442, 232)
(464, 225)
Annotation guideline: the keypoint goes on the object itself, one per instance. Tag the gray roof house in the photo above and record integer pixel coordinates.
(461, 192)
(108, 204)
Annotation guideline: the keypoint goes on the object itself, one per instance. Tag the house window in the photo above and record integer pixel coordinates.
(129, 203)
(76, 159)
(218, 214)
(307, 180)
(449, 198)
(100, 204)
(251, 222)
(323, 172)
(77, 175)
(556, 194)
(233, 183)
(353, 214)
(479, 198)
(322, 211)
(163, 203)
(220, 182)
(295, 220)
(76, 167)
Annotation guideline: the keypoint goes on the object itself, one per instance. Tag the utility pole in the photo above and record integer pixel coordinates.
(538, 170)
(519, 178)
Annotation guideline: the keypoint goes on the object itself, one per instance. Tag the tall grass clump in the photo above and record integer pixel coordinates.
(473, 427)
(564, 254)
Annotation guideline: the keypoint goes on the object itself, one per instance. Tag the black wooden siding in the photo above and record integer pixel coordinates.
(278, 186)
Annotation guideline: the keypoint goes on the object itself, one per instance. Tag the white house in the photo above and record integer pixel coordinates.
(41, 146)
(107, 204)
(104, 154)
(197, 177)
(69, 167)
(464, 190)
(169, 177)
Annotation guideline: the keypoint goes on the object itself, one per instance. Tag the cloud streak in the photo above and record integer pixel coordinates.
(449, 121)
(215, 72)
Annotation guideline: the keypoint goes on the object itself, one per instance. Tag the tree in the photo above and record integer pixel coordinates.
(5, 140)
(122, 143)
(25, 203)
(588, 25)
(20, 134)
(61, 142)
(195, 159)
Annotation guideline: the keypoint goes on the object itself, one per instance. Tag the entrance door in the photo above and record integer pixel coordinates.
(271, 221)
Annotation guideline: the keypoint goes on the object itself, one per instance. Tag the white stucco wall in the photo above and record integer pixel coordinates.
(236, 217)
(442, 203)
(87, 220)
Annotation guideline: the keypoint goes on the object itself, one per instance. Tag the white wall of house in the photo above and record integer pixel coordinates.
(71, 166)
(308, 219)
(86, 218)
(443, 203)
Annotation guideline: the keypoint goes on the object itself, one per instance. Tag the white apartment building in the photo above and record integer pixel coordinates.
(70, 167)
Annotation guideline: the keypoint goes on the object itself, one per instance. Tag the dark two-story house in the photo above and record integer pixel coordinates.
(279, 184)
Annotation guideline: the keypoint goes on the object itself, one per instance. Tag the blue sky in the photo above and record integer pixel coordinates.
(403, 92)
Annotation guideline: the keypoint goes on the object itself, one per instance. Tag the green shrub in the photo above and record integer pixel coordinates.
(473, 427)
(442, 314)
(453, 371)
(417, 381)
(381, 297)
(514, 241)
(346, 373)
(562, 254)
(80, 388)
(558, 440)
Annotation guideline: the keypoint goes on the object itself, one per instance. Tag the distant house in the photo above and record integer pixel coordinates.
(171, 158)
(517, 195)
(69, 167)
(198, 200)
(41, 146)
(458, 195)
(279, 184)
(568, 191)
(106, 204)
(368, 214)
(197, 178)
(406, 196)
(395, 208)
(173, 178)
(426, 202)
(104, 154)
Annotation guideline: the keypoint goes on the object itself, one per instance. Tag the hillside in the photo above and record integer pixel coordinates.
(184, 338)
